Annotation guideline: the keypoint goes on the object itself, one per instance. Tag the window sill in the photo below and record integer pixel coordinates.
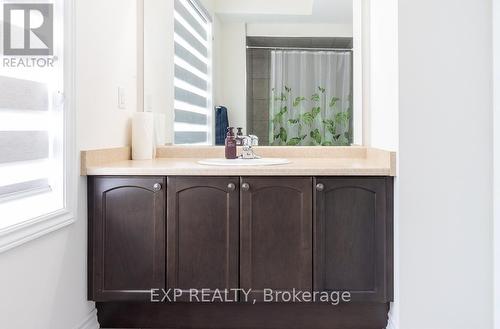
(14, 232)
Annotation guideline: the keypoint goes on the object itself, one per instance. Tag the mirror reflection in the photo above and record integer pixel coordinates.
(280, 70)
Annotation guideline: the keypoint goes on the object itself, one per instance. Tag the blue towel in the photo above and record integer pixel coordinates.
(221, 125)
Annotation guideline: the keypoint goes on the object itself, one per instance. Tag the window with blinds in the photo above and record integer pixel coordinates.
(32, 118)
(37, 150)
(192, 77)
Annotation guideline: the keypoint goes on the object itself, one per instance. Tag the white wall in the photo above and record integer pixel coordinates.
(383, 75)
(230, 65)
(381, 102)
(361, 77)
(496, 154)
(106, 55)
(43, 283)
(158, 59)
(217, 49)
(445, 170)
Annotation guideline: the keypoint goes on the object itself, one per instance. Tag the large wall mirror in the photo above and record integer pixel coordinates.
(281, 70)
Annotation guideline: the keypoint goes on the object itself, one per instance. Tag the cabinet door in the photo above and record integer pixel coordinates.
(276, 234)
(126, 237)
(202, 229)
(353, 248)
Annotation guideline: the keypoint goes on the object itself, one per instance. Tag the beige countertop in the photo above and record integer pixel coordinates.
(182, 161)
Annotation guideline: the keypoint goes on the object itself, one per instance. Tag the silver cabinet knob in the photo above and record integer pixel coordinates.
(231, 187)
(245, 187)
(320, 187)
(157, 187)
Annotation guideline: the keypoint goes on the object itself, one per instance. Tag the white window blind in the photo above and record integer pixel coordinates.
(24, 136)
(192, 82)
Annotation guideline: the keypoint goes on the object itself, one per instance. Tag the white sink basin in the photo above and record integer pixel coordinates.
(244, 162)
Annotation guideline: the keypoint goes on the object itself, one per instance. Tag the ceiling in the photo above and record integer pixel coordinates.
(286, 11)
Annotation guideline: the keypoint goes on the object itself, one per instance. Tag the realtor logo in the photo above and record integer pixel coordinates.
(28, 29)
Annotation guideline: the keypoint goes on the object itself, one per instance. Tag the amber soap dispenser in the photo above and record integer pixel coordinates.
(230, 144)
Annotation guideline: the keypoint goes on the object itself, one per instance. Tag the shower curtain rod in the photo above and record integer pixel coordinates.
(300, 48)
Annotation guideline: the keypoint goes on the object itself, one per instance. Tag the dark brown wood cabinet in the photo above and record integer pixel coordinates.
(353, 237)
(126, 237)
(308, 233)
(202, 226)
(276, 233)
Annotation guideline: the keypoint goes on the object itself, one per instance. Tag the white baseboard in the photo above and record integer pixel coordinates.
(391, 325)
(90, 321)
(393, 312)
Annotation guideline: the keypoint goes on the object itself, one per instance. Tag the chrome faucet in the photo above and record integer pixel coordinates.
(248, 143)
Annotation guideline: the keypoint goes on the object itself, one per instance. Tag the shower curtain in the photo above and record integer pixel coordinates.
(311, 98)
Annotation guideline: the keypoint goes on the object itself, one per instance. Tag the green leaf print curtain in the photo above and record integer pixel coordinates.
(311, 101)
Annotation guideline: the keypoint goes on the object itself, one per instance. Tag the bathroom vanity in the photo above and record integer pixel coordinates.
(324, 222)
